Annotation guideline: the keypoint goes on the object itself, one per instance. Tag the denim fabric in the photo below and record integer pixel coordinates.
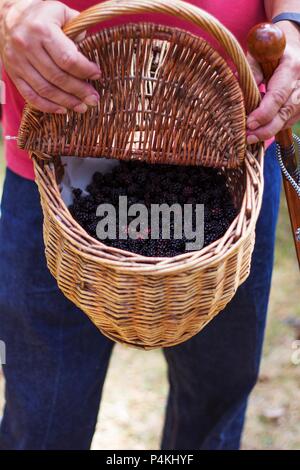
(57, 360)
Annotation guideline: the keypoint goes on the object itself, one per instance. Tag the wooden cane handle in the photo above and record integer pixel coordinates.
(266, 44)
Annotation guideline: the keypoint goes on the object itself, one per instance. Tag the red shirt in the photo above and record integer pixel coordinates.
(237, 15)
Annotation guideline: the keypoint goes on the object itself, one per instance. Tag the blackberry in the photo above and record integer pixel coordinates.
(133, 189)
(91, 227)
(141, 178)
(217, 213)
(77, 193)
(209, 238)
(83, 218)
(192, 200)
(98, 178)
(188, 191)
(149, 184)
(125, 179)
(176, 188)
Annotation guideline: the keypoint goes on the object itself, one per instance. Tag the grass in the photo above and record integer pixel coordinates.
(134, 395)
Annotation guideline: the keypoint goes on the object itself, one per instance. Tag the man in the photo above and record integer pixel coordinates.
(56, 359)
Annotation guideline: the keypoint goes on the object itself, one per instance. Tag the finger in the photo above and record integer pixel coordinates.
(35, 100)
(278, 92)
(50, 92)
(80, 37)
(65, 54)
(62, 80)
(291, 122)
(256, 69)
(286, 114)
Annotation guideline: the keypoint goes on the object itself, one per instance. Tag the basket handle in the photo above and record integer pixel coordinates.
(186, 11)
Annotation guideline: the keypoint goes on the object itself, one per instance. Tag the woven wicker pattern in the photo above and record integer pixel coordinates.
(165, 96)
(140, 301)
(150, 302)
(186, 11)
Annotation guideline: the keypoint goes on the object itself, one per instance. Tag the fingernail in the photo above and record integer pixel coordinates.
(81, 108)
(61, 111)
(252, 139)
(91, 100)
(252, 124)
(96, 76)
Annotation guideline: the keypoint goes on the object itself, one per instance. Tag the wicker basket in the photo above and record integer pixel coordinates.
(150, 114)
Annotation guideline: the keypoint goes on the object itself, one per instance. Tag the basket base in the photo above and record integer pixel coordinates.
(149, 303)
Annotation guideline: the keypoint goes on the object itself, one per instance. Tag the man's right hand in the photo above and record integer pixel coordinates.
(44, 64)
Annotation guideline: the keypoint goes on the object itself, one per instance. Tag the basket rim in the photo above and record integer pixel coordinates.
(128, 262)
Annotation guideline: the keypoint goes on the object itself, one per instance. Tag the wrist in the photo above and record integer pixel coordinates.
(290, 29)
(288, 22)
(6, 5)
(11, 8)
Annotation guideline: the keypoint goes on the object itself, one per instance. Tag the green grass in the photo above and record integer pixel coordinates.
(297, 128)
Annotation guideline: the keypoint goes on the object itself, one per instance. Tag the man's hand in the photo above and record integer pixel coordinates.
(43, 63)
(280, 107)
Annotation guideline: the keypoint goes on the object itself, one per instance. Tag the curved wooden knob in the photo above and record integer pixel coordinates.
(266, 44)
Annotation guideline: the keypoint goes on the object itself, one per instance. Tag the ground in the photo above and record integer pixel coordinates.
(135, 391)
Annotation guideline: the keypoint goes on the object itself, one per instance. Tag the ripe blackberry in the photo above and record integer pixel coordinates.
(77, 193)
(192, 200)
(98, 178)
(149, 184)
(141, 178)
(188, 191)
(176, 188)
(133, 189)
(91, 227)
(83, 218)
(125, 180)
(209, 238)
(217, 213)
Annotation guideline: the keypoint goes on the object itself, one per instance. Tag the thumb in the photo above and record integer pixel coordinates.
(70, 13)
(256, 70)
(61, 14)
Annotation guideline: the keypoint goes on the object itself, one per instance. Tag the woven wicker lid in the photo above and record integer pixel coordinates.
(166, 96)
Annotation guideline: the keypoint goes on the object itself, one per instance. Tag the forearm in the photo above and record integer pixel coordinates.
(275, 7)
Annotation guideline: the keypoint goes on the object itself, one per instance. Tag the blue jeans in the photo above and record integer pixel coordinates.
(56, 359)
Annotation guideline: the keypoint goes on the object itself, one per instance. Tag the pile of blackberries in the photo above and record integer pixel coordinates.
(156, 184)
